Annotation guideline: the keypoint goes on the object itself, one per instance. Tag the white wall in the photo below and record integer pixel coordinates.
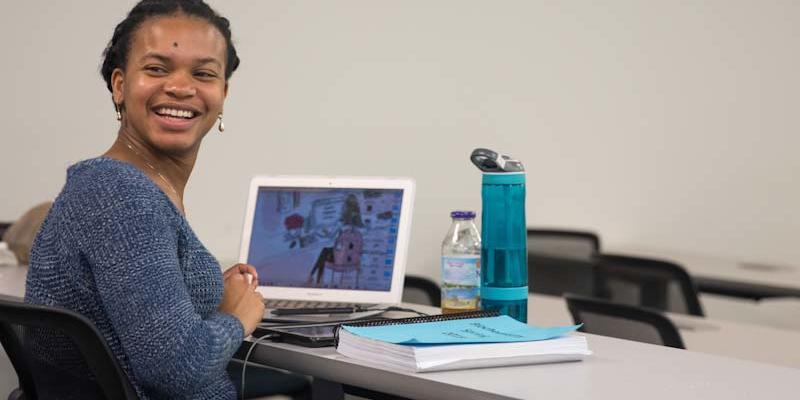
(656, 123)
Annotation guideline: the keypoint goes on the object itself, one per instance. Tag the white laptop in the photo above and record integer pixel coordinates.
(328, 242)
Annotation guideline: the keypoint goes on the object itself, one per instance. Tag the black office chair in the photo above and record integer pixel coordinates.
(419, 290)
(623, 321)
(560, 261)
(657, 284)
(561, 243)
(22, 324)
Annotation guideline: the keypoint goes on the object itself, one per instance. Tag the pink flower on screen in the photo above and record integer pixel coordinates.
(294, 221)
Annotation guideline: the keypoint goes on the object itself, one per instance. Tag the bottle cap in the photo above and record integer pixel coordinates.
(462, 214)
(490, 161)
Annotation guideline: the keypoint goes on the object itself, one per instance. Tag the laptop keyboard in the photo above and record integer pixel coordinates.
(272, 303)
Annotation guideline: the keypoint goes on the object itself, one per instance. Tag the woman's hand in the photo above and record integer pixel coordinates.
(241, 269)
(241, 300)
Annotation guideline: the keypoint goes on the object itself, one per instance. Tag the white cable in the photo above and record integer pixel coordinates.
(247, 357)
(274, 335)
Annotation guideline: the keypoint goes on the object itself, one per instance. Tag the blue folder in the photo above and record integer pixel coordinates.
(498, 329)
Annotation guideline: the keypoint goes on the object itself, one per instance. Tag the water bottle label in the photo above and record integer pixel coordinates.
(461, 281)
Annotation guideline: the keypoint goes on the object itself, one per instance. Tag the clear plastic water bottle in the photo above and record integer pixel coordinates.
(461, 264)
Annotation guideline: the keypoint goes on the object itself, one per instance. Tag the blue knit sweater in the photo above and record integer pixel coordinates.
(115, 249)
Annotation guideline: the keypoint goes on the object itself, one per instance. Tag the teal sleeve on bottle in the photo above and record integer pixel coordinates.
(504, 255)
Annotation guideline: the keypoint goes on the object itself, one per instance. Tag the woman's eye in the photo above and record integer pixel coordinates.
(205, 74)
(156, 69)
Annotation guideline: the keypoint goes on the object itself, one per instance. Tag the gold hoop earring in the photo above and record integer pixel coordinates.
(221, 126)
(119, 114)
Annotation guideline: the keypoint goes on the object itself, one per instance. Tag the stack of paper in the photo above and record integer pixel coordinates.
(461, 344)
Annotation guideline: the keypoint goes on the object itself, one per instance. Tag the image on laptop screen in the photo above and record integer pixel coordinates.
(325, 237)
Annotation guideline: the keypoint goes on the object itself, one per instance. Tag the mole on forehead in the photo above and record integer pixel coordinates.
(174, 44)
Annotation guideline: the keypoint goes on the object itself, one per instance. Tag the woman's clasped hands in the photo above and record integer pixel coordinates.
(240, 298)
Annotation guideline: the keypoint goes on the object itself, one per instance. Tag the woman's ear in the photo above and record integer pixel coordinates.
(117, 81)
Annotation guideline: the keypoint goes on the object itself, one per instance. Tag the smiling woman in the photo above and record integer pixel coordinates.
(168, 79)
(116, 246)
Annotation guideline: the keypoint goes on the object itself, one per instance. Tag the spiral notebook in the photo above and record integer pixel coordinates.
(457, 341)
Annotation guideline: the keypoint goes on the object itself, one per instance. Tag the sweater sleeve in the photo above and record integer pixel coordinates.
(132, 248)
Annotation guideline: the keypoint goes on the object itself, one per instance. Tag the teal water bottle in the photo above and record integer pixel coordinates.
(504, 255)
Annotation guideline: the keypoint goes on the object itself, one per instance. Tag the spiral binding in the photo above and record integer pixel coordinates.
(416, 320)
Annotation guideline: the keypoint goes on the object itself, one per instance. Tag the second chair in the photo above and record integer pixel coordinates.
(657, 284)
(623, 321)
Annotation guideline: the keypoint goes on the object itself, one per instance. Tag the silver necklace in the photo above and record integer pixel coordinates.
(150, 165)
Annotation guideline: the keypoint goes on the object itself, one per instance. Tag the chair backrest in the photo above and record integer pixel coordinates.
(419, 290)
(561, 261)
(657, 284)
(623, 321)
(22, 324)
(560, 243)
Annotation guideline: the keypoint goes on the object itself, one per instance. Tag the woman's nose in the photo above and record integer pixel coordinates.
(180, 86)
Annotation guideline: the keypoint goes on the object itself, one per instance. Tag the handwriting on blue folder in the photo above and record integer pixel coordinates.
(475, 330)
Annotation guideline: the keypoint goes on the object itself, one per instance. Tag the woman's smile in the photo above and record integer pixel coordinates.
(175, 117)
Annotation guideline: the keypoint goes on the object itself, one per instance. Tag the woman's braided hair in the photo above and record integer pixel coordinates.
(116, 52)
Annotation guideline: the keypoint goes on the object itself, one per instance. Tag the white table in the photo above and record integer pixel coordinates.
(619, 369)
(727, 277)
(744, 341)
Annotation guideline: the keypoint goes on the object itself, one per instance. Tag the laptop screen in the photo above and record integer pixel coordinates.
(325, 237)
